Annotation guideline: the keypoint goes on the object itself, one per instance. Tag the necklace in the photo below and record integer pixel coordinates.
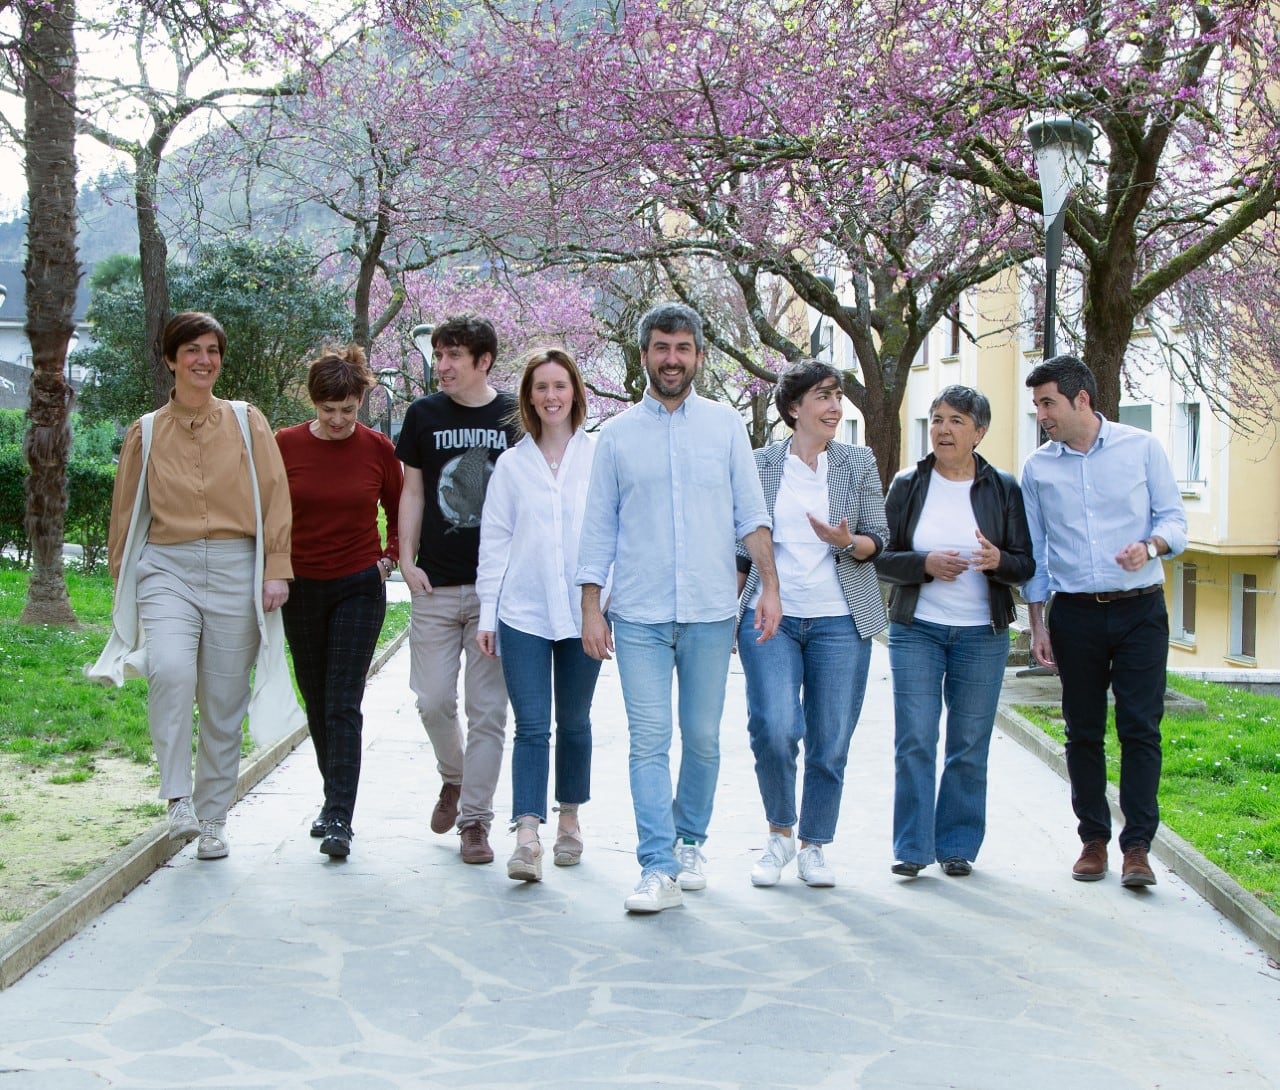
(554, 460)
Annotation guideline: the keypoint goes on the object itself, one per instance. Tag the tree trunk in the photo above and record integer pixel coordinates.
(1108, 327)
(52, 272)
(153, 253)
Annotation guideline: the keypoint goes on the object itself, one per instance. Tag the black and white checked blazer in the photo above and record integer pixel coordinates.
(853, 488)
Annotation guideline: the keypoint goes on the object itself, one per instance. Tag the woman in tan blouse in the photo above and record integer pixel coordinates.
(212, 539)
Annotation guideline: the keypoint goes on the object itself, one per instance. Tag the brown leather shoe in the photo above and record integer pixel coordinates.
(475, 844)
(446, 811)
(1136, 871)
(1092, 864)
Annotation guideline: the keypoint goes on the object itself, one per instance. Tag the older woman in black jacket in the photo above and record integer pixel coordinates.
(958, 542)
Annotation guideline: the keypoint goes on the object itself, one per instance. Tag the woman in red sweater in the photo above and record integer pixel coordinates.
(339, 471)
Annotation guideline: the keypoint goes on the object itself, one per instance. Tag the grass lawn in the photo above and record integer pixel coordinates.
(1220, 787)
(50, 714)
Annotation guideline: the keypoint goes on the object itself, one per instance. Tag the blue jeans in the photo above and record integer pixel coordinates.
(532, 667)
(826, 660)
(966, 666)
(699, 656)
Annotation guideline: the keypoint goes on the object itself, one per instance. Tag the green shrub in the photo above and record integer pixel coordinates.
(13, 502)
(89, 485)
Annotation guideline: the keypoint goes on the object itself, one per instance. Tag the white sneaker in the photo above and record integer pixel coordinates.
(213, 840)
(690, 858)
(655, 892)
(182, 819)
(813, 867)
(777, 854)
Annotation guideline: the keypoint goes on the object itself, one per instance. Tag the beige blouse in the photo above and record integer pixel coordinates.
(198, 483)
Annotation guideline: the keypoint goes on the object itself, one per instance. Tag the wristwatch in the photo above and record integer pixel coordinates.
(1152, 551)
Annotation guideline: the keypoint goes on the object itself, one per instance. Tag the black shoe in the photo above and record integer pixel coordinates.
(320, 826)
(337, 840)
(957, 867)
(908, 870)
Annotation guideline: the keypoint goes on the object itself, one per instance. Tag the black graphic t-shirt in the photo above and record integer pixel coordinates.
(455, 447)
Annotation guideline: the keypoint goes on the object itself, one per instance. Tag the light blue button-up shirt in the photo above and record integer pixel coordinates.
(1082, 509)
(670, 494)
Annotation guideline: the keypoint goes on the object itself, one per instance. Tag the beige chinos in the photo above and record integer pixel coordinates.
(442, 630)
(195, 603)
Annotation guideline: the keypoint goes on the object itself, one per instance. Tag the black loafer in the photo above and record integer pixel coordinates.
(337, 840)
(957, 867)
(907, 870)
(320, 826)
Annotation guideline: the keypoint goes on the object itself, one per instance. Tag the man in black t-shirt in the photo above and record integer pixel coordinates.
(448, 445)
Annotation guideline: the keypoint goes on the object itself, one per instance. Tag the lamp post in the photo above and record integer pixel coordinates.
(421, 335)
(1061, 145)
(815, 338)
(386, 379)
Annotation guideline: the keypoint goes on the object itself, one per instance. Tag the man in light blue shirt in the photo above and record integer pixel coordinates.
(1102, 508)
(673, 487)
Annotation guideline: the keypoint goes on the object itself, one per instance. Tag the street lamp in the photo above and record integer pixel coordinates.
(386, 379)
(1061, 145)
(821, 326)
(421, 335)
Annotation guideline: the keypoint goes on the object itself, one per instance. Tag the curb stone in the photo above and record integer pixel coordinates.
(1209, 880)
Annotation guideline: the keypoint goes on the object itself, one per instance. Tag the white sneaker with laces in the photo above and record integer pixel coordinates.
(690, 858)
(182, 819)
(655, 892)
(778, 853)
(213, 840)
(813, 867)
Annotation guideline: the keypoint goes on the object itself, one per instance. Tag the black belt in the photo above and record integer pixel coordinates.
(1112, 595)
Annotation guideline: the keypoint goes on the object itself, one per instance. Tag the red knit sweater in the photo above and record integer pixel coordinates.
(336, 486)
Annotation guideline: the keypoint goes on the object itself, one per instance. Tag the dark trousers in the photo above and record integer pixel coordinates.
(1124, 645)
(332, 626)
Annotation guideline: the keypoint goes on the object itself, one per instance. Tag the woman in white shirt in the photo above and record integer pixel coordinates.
(530, 609)
(807, 683)
(958, 544)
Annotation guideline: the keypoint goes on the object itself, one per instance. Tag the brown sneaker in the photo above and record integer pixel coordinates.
(1136, 871)
(1092, 864)
(446, 811)
(475, 844)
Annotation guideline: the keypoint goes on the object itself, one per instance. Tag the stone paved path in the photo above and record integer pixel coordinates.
(403, 968)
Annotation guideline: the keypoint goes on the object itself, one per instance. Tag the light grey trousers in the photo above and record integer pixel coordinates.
(195, 602)
(442, 631)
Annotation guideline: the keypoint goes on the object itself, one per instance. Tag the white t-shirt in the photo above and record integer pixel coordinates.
(807, 577)
(947, 522)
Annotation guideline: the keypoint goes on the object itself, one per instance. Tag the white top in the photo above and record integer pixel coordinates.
(806, 567)
(529, 533)
(947, 522)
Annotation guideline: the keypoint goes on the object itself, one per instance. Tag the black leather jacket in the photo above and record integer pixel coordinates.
(998, 510)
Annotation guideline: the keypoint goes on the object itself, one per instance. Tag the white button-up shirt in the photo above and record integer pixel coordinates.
(529, 534)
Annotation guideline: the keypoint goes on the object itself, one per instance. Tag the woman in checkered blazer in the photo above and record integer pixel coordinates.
(807, 683)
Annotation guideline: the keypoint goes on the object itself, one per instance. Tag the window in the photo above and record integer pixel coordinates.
(953, 345)
(1244, 616)
(1187, 442)
(922, 357)
(922, 437)
(851, 431)
(1136, 416)
(1183, 620)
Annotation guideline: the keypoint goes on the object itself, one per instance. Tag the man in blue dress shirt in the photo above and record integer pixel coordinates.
(1102, 507)
(673, 487)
